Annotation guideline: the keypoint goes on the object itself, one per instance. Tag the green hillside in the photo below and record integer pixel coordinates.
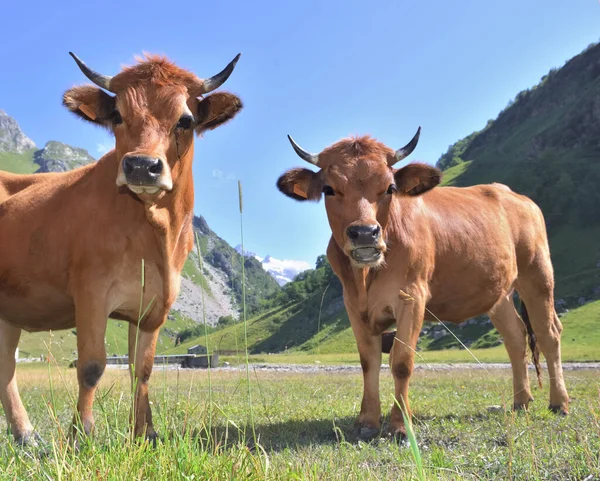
(63, 344)
(546, 145)
(18, 163)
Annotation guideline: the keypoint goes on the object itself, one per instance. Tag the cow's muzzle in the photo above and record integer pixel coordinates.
(145, 175)
(366, 243)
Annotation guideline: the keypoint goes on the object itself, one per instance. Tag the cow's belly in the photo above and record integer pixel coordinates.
(42, 308)
(457, 296)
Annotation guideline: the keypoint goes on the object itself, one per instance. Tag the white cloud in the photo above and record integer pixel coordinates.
(220, 175)
(103, 147)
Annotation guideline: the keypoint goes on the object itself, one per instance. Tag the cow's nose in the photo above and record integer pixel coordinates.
(363, 235)
(141, 169)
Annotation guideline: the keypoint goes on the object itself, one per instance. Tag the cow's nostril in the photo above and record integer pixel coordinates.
(376, 232)
(156, 168)
(353, 233)
(127, 166)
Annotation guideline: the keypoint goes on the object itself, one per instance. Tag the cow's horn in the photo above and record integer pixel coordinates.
(407, 149)
(100, 80)
(303, 154)
(213, 83)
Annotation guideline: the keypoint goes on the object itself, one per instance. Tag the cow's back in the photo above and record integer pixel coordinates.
(479, 237)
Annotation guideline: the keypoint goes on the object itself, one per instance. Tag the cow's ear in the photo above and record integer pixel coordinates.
(91, 104)
(215, 110)
(300, 184)
(415, 179)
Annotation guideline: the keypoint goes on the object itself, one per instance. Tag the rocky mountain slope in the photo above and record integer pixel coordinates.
(12, 139)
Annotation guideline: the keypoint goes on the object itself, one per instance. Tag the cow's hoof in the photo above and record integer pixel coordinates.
(561, 410)
(368, 433)
(32, 440)
(522, 404)
(153, 439)
(399, 436)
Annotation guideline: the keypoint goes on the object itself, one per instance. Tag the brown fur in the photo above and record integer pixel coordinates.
(73, 243)
(453, 252)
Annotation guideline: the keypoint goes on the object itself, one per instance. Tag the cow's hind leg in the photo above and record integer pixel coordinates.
(142, 346)
(535, 286)
(510, 326)
(16, 416)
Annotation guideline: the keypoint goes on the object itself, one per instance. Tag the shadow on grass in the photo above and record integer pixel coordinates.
(278, 436)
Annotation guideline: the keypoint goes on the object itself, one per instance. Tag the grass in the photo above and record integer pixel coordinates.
(304, 425)
(18, 163)
(64, 343)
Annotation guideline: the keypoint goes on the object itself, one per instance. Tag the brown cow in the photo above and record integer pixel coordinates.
(73, 243)
(403, 251)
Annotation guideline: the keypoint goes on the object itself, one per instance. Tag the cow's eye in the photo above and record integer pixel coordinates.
(115, 117)
(391, 189)
(328, 190)
(185, 122)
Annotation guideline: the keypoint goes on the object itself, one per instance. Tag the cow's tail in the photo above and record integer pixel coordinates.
(535, 353)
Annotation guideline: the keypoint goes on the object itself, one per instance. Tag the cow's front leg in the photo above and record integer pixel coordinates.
(142, 346)
(90, 320)
(369, 349)
(402, 355)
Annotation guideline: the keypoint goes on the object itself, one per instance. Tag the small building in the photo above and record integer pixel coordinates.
(201, 361)
(197, 349)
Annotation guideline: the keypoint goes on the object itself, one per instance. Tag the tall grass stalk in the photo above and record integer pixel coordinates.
(208, 353)
(244, 311)
(319, 319)
(141, 315)
(412, 439)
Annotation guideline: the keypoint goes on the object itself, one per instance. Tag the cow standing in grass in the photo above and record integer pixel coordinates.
(405, 251)
(72, 244)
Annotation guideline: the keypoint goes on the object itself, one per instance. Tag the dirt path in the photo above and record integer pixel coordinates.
(307, 368)
(320, 368)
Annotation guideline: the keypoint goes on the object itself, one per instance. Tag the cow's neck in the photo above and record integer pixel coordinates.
(172, 218)
(355, 280)
(399, 234)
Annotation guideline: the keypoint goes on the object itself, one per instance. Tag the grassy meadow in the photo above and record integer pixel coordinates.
(304, 427)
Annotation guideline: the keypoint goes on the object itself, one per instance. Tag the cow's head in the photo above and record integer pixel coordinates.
(155, 109)
(359, 183)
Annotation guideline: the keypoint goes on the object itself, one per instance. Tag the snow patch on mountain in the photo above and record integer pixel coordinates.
(283, 271)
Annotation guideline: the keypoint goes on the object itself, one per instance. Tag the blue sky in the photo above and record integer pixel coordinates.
(319, 70)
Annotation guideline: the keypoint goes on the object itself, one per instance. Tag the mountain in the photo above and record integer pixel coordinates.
(57, 157)
(218, 254)
(283, 271)
(210, 293)
(12, 138)
(546, 144)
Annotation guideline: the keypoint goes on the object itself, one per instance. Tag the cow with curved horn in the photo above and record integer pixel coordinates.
(406, 250)
(76, 245)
